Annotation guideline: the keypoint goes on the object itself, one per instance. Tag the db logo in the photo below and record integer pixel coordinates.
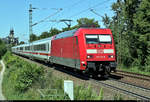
(100, 51)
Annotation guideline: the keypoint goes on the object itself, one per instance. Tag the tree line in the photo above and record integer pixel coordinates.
(131, 29)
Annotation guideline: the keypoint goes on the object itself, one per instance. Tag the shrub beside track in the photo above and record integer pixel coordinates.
(0, 67)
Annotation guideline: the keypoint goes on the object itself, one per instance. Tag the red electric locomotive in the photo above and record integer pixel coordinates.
(90, 50)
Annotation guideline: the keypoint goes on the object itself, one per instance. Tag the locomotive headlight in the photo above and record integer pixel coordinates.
(83, 62)
(89, 56)
(110, 56)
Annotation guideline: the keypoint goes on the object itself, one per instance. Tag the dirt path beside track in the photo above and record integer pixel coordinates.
(1, 79)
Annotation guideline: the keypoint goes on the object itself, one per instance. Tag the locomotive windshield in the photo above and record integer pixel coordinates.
(99, 38)
(91, 39)
(105, 38)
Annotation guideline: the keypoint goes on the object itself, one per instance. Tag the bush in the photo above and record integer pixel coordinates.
(0, 67)
(21, 72)
(83, 93)
(3, 48)
(27, 75)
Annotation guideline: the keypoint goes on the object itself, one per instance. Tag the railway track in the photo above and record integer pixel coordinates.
(133, 75)
(112, 83)
(126, 88)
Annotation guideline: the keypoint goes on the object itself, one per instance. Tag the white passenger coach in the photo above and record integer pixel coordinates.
(38, 49)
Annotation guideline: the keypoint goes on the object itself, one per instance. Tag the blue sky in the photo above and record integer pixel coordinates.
(14, 14)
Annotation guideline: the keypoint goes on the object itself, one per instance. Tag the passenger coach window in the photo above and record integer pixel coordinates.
(48, 47)
(91, 39)
(41, 47)
(44, 47)
(21, 48)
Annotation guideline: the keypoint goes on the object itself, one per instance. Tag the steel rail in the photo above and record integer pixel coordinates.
(139, 76)
(134, 73)
(132, 85)
(134, 77)
(122, 90)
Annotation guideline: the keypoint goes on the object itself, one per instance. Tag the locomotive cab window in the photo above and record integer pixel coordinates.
(91, 39)
(98, 38)
(105, 38)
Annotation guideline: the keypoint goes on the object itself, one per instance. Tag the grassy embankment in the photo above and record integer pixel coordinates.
(134, 69)
(0, 67)
(22, 79)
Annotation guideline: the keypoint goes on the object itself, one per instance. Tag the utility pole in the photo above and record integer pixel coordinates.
(30, 18)
(119, 35)
(118, 40)
(30, 21)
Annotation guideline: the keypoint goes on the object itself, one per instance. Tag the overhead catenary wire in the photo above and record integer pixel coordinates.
(68, 8)
(74, 4)
(92, 10)
(87, 9)
(47, 8)
(47, 17)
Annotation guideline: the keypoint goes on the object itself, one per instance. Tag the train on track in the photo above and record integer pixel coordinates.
(88, 50)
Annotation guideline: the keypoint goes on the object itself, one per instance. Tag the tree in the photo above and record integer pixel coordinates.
(131, 7)
(106, 20)
(118, 27)
(142, 32)
(33, 37)
(87, 22)
(3, 48)
(83, 22)
(43, 35)
(121, 25)
(71, 28)
(22, 42)
(54, 31)
(130, 26)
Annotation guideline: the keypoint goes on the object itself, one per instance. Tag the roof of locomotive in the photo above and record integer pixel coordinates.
(66, 34)
(71, 33)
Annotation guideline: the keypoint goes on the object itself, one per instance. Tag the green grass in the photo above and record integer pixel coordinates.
(118, 97)
(134, 69)
(0, 67)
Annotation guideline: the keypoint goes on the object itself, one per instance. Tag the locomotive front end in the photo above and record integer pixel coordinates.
(100, 52)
